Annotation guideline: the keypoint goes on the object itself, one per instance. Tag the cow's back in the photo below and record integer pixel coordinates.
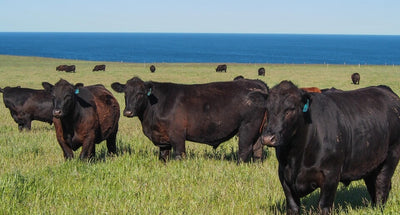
(107, 109)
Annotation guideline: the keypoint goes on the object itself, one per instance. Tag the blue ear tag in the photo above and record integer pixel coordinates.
(76, 91)
(305, 108)
(149, 93)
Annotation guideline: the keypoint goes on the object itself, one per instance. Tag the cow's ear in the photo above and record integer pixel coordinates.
(117, 87)
(148, 88)
(258, 98)
(85, 97)
(47, 86)
(306, 102)
(77, 85)
(1, 90)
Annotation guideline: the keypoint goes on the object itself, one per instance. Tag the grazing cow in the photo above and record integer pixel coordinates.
(261, 71)
(61, 67)
(355, 78)
(26, 105)
(83, 116)
(311, 89)
(322, 139)
(207, 113)
(101, 67)
(221, 68)
(152, 68)
(66, 68)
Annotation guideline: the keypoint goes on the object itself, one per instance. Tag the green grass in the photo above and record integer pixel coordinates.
(35, 179)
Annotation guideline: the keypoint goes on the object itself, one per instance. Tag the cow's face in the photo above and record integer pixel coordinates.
(285, 106)
(63, 94)
(136, 93)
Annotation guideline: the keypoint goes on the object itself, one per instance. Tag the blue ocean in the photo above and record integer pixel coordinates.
(210, 48)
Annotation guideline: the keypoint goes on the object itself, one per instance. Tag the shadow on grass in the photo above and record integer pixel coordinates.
(346, 199)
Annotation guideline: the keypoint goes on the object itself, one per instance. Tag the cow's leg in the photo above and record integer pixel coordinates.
(20, 126)
(328, 193)
(28, 125)
(258, 150)
(111, 143)
(383, 180)
(179, 149)
(370, 183)
(164, 153)
(292, 200)
(247, 138)
(67, 151)
(88, 149)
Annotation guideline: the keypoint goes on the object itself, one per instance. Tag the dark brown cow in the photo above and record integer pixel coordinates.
(26, 105)
(311, 89)
(221, 68)
(61, 67)
(101, 67)
(152, 68)
(207, 113)
(83, 116)
(261, 71)
(355, 78)
(66, 68)
(322, 139)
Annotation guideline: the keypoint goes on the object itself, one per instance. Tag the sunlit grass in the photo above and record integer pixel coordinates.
(35, 179)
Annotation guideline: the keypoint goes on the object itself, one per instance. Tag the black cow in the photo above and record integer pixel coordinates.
(27, 104)
(101, 67)
(322, 139)
(207, 113)
(355, 78)
(221, 68)
(152, 68)
(83, 116)
(261, 71)
(61, 67)
(66, 68)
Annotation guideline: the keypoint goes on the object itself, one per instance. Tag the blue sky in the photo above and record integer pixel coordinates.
(206, 16)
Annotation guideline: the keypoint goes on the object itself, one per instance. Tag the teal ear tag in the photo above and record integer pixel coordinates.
(76, 91)
(306, 106)
(149, 93)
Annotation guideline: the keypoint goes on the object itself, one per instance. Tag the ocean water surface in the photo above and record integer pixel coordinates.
(206, 48)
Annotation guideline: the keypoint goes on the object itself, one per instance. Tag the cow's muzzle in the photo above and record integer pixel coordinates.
(269, 140)
(57, 113)
(128, 113)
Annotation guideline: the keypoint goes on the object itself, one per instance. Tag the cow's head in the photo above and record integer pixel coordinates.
(137, 93)
(287, 106)
(65, 95)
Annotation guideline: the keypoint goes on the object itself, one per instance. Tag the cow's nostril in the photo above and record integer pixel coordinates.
(56, 112)
(128, 113)
(269, 140)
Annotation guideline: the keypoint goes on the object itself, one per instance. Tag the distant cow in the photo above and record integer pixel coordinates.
(322, 139)
(207, 113)
(355, 78)
(66, 68)
(83, 116)
(261, 71)
(61, 67)
(152, 68)
(27, 104)
(221, 68)
(101, 67)
(311, 89)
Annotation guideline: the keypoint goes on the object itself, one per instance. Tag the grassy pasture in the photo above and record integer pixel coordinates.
(35, 179)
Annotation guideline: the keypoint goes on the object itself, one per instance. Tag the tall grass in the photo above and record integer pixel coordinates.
(35, 179)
